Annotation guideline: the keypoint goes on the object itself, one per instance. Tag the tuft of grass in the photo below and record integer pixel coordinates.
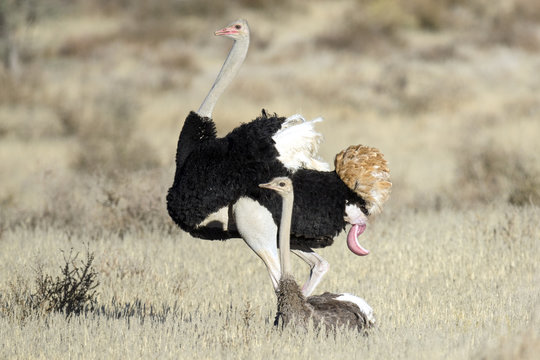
(526, 191)
(524, 345)
(16, 303)
(247, 318)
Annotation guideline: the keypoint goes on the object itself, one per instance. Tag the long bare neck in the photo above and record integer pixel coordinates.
(228, 72)
(285, 234)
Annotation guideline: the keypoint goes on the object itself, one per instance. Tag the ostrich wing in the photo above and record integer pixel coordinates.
(216, 172)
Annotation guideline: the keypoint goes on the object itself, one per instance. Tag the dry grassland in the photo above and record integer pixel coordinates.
(443, 285)
(89, 119)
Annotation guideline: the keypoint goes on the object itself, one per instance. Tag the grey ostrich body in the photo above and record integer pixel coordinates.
(330, 310)
(324, 309)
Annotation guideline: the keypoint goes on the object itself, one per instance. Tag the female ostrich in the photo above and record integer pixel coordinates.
(331, 310)
(215, 193)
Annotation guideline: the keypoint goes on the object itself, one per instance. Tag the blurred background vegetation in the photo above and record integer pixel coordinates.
(93, 94)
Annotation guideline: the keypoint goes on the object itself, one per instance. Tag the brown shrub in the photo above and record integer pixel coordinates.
(19, 90)
(184, 61)
(524, 345)
(154, 30)
(515, 28)
(203, 8)
(106, 136)
(144, 10)
(94, 204)
(134, 202)
(23, 113)
(369, 24)
(71, 292)
(83, 46)
(372, 24)
(489, 173)
(269, 5)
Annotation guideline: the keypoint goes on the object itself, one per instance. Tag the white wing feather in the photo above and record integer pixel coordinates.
(298, 143)
(361, 303)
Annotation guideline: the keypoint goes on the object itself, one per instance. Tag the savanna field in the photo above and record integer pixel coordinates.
(93, 95)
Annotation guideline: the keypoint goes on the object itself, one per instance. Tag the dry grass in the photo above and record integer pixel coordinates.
(87, 139)
(443, 285)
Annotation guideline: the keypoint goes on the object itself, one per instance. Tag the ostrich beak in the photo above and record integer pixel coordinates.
(229, 30)
(267, 186)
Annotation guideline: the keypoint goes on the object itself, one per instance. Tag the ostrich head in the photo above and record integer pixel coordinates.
(237, 30)
(365, 171)
(281, 185)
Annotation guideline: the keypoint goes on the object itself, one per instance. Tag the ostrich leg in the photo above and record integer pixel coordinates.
(256, 226)
(319, 267)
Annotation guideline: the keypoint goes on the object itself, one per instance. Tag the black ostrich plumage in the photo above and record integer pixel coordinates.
(212, 173)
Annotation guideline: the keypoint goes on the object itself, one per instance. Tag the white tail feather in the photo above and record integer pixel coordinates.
(362, 305)
(298, 143)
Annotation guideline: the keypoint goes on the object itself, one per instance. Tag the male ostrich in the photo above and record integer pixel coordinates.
(331, 310)
(215, 193)
(326, 201)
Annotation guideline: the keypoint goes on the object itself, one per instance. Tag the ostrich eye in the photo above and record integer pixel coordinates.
(238, 27)
(282, 184)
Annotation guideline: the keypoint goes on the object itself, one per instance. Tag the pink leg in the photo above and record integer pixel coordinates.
(319, 267)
